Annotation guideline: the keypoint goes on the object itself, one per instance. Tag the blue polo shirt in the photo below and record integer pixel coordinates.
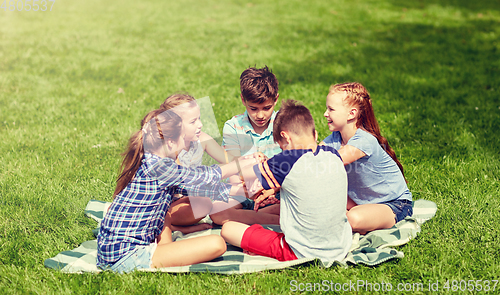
(238, 134)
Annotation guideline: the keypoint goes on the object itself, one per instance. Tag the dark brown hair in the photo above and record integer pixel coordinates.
(258, 85)
(156, 126)
(358, 96)
(293, 117)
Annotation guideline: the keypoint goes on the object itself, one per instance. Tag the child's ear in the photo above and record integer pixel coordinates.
(276, 101)
(285, 136)
(169, 143)
(243, 100)
(353, 114)
(315, 135)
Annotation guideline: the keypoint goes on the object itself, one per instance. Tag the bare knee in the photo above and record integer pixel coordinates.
(224, 216)
(189, 210)
(355, 220)
(201, 206)
(232, 232)
(215, 245)
(226, 229)
(221, 217)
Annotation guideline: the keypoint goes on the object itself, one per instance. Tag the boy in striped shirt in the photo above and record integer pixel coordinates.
(313, 187)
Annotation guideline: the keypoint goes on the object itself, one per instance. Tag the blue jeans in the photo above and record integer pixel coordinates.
(401, 208)
(139, 258)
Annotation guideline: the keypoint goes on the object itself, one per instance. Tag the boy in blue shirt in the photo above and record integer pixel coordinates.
(252, 131)
(246, 134)
(313, 186)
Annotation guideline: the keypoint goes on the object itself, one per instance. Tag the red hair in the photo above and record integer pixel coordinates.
(357, 96)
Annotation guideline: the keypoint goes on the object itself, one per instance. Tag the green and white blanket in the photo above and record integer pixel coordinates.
(370, 249)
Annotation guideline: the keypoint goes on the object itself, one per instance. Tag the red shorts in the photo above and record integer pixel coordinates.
(266, 242)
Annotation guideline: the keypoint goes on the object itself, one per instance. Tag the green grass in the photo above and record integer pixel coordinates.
(432, 68)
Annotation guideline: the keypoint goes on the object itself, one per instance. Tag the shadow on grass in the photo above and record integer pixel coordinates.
(435, 87)
(472, 6)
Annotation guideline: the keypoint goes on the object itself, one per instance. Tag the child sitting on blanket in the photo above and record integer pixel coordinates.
(247, 133)
(378, 194)
(313, 187)
(134, 233)
(187, 211)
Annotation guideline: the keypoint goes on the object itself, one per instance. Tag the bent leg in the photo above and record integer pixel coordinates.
(271, 209)
(165, 236)
(189, 251)
(232, 232)
(232, 211)
(368, 217)
(189, 210)
(350, 203)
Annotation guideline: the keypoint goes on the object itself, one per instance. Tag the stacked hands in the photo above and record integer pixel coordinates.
(263, 197)
(255, 191)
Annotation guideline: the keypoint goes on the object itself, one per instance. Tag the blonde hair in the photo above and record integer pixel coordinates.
(178, 99)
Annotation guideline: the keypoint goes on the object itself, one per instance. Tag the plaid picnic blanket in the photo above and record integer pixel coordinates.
(370, 249)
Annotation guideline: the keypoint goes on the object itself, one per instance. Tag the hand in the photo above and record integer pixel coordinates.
(260, 157)
(265, 198)
(269, 201)
(248, 160)
(255, 189)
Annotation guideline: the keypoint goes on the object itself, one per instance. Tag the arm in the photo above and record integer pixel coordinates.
(230, 141)
(214, 149)
(259, 157)
(244, 177)
(235, 167)
(350, 154)
(201, 181)
(231, 146)
(243, 162)
(260, 189)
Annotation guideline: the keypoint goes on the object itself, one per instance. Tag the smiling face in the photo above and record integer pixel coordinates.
(337, 114)
(191, 122)
(259, 114)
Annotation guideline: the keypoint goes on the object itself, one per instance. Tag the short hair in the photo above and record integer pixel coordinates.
(293, 117)
(258, 85)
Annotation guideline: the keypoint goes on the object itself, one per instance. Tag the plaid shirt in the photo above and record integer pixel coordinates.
(137, 214)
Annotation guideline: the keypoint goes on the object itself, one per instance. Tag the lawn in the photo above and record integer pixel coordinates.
(76, 81)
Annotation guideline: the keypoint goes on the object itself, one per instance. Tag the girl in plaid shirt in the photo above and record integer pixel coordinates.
(186, 212)
(135, 232)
